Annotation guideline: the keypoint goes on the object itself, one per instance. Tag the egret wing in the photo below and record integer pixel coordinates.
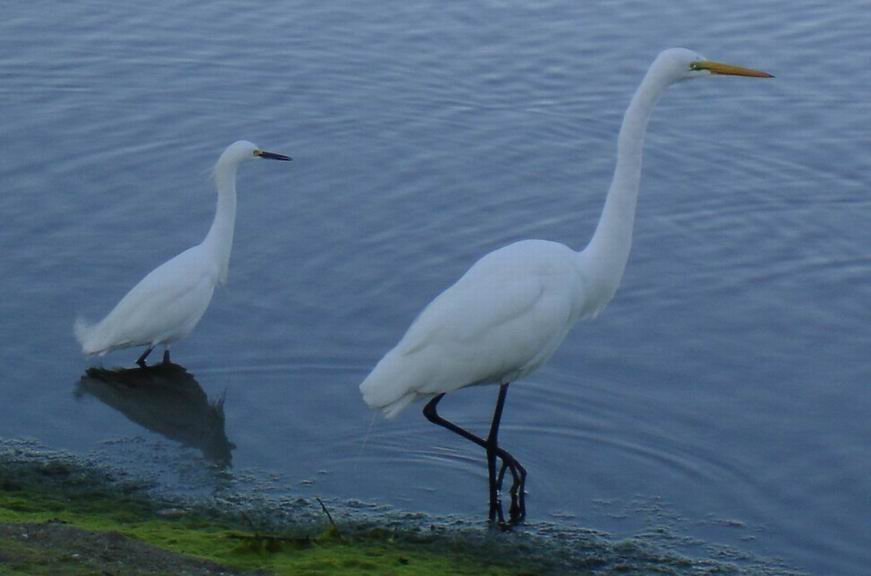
(492, 325)
(166, 304)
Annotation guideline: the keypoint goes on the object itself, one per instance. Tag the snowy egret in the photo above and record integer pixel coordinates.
(511, 310)
(169, 302)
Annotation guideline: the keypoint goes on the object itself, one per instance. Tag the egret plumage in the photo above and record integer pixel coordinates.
(513, 308)
(167, 304)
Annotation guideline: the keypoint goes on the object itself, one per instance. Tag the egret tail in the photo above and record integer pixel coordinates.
(92, 337)
(388, 388)
(84, 332)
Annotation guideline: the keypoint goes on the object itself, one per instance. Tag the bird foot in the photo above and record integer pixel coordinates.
(517, 513)
(517, 510)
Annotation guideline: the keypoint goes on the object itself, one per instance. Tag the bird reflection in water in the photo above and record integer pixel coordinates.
(166, 399)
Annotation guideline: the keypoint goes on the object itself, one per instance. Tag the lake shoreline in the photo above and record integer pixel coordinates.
(59, 516)
(64, 514)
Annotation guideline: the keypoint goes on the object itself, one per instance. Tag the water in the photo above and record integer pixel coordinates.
(725, 387)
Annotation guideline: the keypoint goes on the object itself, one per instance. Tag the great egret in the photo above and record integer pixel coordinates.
(511, 310)
(169, 302)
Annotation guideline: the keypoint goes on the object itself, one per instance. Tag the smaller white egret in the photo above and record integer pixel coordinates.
(167, 304)
(512, 309)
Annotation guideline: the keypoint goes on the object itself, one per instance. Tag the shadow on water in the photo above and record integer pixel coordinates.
(167, 399)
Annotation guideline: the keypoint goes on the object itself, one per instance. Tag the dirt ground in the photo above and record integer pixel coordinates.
(58, 549)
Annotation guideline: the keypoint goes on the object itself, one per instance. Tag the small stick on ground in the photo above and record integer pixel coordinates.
(251, 525)
(327, 512)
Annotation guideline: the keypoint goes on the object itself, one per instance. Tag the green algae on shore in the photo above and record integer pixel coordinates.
(68, 515)
(57, 518)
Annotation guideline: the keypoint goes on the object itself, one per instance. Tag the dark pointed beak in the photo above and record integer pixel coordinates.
(272, 155)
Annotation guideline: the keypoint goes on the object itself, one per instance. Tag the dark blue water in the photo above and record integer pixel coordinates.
(725, 388)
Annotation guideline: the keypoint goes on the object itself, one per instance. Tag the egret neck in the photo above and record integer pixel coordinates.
(219, 240)
(608, 251)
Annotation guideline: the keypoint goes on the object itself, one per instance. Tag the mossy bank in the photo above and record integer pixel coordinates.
(58, 518)
(68, 516)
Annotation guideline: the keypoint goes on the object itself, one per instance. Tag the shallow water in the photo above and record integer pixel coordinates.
(726, 382)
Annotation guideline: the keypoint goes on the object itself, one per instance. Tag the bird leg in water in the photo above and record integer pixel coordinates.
(141, 359)
(432, 415)
(493, 451)
(491, 446)
(517, 512)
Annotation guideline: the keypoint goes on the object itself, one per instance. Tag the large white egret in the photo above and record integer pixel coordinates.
(511, 310)
(167, 304)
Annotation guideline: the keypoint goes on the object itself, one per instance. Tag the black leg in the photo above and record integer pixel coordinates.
(517, 512)
(492, 446)
(141, 359)
(493, 451)
(432, 415)
(495, 496)
(166, 356)
(518, 504)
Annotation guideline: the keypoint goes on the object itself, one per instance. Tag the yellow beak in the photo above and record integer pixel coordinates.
(729, 70)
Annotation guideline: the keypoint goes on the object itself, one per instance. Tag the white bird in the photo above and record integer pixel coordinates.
(512, 309)
(167, 304)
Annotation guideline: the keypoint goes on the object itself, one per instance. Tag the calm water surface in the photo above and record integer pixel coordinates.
(725, 388)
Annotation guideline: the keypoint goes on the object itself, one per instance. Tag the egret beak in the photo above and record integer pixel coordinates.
(728, 69)
(271, 155)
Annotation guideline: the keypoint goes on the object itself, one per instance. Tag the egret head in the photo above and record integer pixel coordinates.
(682, 64)
(244, 150)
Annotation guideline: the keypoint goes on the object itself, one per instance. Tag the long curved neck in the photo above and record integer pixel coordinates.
(608, 250)
(219, 240)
